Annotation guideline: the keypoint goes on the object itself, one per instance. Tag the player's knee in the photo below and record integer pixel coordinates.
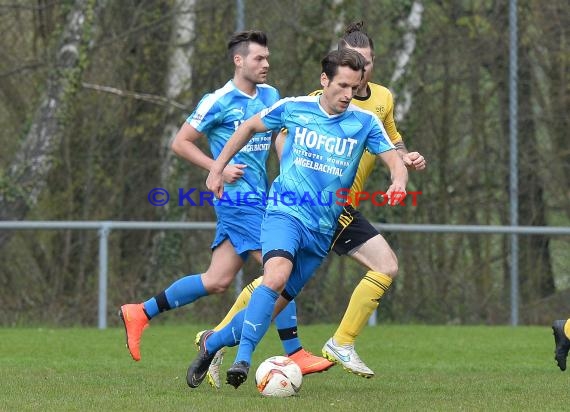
(218, 288)
(216, 284)
(388, 266)
(275, 281)
(392, 268)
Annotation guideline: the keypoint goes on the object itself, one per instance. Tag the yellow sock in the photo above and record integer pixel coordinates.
(363, 302)
(240, 303)
(567, 328)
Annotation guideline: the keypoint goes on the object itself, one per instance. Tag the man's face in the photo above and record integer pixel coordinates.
(255, 66)
(338, 92)
(369, 68)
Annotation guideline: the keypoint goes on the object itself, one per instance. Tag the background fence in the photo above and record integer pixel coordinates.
(104, 229)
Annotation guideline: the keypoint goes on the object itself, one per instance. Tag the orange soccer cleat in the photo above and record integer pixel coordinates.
(135, 321)
(310, 363)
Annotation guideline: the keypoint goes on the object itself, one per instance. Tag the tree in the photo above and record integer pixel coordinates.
(26, 178)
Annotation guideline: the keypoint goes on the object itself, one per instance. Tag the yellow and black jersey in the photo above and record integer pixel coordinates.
(379, 101)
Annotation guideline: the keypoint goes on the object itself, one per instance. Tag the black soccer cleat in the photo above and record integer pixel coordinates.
(199, 367)
(562, 343)
(237, 374)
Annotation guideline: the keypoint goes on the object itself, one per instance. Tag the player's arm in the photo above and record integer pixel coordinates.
(412, 160)
(239, 139)
(184, 145)
(399, 174)
(401, 148)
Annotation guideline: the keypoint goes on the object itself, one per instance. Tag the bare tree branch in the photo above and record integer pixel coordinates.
(152, 98)
(16, 70)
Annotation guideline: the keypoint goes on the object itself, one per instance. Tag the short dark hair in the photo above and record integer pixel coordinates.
(342, 57)
(239, 42)
(355, 36)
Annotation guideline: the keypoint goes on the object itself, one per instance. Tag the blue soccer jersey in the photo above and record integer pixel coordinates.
(320, 156)
(218, 115)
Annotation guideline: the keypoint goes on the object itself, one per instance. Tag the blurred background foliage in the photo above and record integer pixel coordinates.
(120, 108)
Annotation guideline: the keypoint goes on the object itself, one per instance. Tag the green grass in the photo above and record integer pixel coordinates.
(417, 368)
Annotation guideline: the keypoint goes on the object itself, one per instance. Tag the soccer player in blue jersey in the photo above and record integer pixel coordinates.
(355, 236)
(237, 236)
(325, 141)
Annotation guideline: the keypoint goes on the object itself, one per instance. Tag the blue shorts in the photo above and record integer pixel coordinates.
(241, 225)
(283, 233)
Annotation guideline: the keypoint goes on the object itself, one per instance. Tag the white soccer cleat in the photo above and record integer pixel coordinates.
(347, 357)
(214, 370)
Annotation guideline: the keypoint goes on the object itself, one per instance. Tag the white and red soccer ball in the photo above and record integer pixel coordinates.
(278, 376)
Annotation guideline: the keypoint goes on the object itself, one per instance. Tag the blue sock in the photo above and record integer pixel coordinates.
(286, 324)
(180, 293)
(256, 322)
(229, 335)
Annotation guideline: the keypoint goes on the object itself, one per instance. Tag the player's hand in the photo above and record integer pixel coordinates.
(215, 182)
(232, 173)
(396, 193)
(414, 160)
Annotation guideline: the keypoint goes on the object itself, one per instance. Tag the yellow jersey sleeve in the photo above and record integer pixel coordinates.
(381, 103)
(388, 118)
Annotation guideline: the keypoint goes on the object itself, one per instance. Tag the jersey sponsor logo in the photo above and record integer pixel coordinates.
(263, 147)
(310, 139)
(320, 167)
(258, 143)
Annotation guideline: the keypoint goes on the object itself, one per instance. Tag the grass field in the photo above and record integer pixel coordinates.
(417, 368)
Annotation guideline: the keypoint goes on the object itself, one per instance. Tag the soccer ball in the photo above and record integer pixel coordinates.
(278, 376)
